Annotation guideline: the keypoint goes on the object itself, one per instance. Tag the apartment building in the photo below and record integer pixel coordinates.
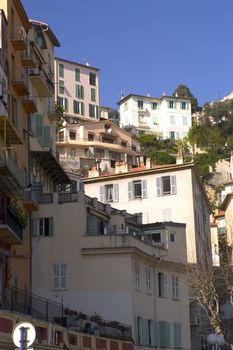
(166, 117)
(77, 90)
(82, 146)
(113, 266)
(161, 193)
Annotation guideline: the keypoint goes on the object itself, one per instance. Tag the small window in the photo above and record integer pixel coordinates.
(175, 287)
(123, 144)
(171, 104)
(172, 119)
(126, 107)
(148, 280)
(172, 135)
(72, 135)
(92, 78)
(79, 91)
(61, 70)
(185, 120)
(92, 111)
(172, 237)
(140, 104)
(45, 226)
(90, 137)
(154, 105)
(137, 187)
(157, 237)
(109, 193)
(184, 105)
(60, 276)
(141, 118)
(63, 102)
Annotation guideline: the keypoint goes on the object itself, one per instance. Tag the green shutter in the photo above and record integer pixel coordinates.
(82, 92)
(61, 87)
(93, 95)
(154, 333)
(77, 74)
(167, 334)
(61, 70)
(177, 335)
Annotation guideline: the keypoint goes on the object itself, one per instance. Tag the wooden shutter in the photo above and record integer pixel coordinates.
(167, 334)
(56, 274)
(115, 192)
(130, 190)
(159, 186)
(82, 92)
(144, 189)
(102, 194)
(173, 184)
(50, 226)
(154, 333)
(35, 227)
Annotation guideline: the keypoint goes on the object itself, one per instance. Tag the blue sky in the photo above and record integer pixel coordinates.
(146, 46)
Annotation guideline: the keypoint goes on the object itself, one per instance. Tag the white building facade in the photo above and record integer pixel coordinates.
(166, 117)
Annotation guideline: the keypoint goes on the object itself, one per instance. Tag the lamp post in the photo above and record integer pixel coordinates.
(215, 340)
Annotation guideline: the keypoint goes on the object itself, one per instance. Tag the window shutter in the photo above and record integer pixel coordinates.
(159, 186)
(154, 333)
(165, 284)
(51, 226)
(177, 335)
(35, 227)
(136, 329)
(144, 189)
(82, 92)
(167, 334)
(173, 184)
(102, 196)
(140, 330)
(130, 190)
(162, 339)
(146, 332)
(56, 274)
(82, 108)
(66, 104)
(115, 192)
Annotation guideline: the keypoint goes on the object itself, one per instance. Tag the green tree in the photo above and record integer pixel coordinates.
(184, 91)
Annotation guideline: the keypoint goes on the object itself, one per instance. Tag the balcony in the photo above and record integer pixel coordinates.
(7, 129)
(11, 232)
(29, 104)
(28, 58)
(19, 38)
(31, 202)
(20, 85)
(12, 178)
(42, 82)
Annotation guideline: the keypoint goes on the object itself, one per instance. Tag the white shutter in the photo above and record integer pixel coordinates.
(173, 184)
(102, 199)
(144, 189)
(115, 192)
(130, 190)
(159, 186)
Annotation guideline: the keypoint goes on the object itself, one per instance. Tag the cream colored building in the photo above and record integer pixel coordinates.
(166, 117)
(82, 146)
(113, 266)
(162, 193)
(77, 90)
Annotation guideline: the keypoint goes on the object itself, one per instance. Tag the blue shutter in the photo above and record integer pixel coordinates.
(144, 189)
(173, 184)
(115, 192)
(130, 190)
(159, 186)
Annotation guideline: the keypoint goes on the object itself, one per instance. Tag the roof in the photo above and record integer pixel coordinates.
(46, 28)
(151, 98)
(76, 63)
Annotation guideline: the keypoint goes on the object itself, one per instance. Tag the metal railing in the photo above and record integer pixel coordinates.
(45, 198)
(14, 299)
(20, 177)
(6, 218)
(67, 197)
(40, 72)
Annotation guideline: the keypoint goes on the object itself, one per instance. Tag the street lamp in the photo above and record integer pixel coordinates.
(215, 340)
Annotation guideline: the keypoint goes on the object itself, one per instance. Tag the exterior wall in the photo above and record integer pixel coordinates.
(160, 121)
(163, 208)
(70, 82)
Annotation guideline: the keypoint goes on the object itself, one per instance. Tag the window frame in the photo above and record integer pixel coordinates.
(175, 288)
(61, 70)
(61, 277)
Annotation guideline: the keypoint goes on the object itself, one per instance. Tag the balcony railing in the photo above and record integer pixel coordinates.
(67, 197)
(19, 38)
(42, 81)
(45, 198)
(8, 167)
(10, 229)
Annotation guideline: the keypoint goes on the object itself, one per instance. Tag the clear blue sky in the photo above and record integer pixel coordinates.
(146, 46)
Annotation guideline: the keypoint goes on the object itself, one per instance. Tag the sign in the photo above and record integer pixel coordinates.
(24, 335)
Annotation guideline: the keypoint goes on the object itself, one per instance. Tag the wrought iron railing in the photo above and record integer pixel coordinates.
(6, 218)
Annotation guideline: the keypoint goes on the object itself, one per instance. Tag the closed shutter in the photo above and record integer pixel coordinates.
(146, 331)
(144, 189)
(162, 336)
(130, 190)
(177, 335)
(56, 274)
(66, 105)
(35, 227)
(154, 333)
(50, 226)
(82, 92)
(140, 323)
(167, 334)
(173, 184)
(115, 192)
(136, 330)
(159, 186)
(165, 285)
(102, 199)
(82, 108)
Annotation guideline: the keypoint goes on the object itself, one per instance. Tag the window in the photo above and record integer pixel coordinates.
(155, 120)
(91, 111)
(141, 118)
(172, 237)
(137, 276)
(185, 120)
(148, 279)
(126, 107)
(184, 105)
(123, 144)
(162, 284)
(137, 189)
(90, 137)
(42, 226)
(72, 135)
(79, 91)
(175, 287)
(172, 119)
(109, 193)
(140, 104)
(63, 102)
(61, 87)
(146, 332)
(61, 70)
(60, 276)
(164, 334)
(166, 185)
(172, 135)
(92, 78)
(77, 74)
(78, 107)
(154, 105)
(171, 104)
(177, 335)
(93, 95)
